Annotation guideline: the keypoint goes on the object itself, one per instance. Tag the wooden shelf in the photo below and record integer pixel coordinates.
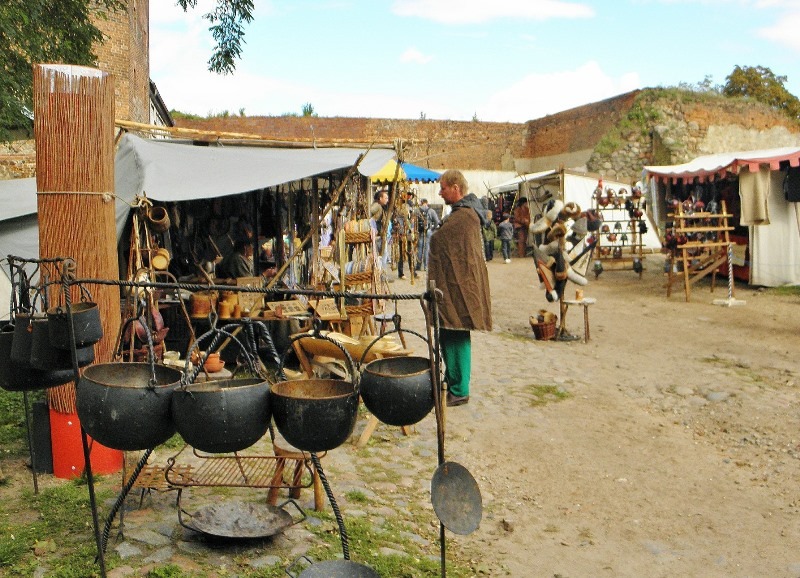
(699, 258)
(633, 247)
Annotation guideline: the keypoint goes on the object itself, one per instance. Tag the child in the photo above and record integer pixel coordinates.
(489, 235)
(506, 232)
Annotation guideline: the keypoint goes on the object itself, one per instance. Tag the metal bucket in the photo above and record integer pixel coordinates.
(122, 408)
(222, 416)
(315, 415)
(85, 320)
(46, 357)
(398, 390)
(20, 376)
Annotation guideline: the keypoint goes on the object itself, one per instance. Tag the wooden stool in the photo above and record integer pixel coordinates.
(585, 302)
(284, 452)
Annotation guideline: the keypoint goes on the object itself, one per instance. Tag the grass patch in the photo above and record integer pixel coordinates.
(784, 291)
(357, 496)
(419, 558)
(542, 394)
(57, 534)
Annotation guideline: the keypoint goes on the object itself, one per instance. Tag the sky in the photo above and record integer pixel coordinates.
(490, 60)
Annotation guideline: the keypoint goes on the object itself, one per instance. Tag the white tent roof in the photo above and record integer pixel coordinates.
(17, 198)
(708, 166)
(167, 171)
(514, 183)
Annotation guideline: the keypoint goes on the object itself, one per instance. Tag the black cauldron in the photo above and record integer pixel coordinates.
(398, 390)
(85, 321)
(315, 415)
(20, 376)
(222, 416)
(120, 407)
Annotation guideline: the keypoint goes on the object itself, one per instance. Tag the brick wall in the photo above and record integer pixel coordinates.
(576, 129)
(125, 55)
(436, 144)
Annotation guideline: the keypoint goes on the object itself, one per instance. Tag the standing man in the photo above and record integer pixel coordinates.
(522, 221)
(377, 212)
(456, 264)
(429, 222)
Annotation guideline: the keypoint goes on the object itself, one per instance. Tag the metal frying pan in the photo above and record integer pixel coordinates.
(332, 569)
(241, 519)
(456, 498)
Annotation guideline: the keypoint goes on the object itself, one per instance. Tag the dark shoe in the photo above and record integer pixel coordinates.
(454, 400)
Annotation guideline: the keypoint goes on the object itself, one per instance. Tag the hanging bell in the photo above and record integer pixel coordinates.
(637, 265)
(624, 237)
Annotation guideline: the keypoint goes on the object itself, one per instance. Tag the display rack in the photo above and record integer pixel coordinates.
(620, 240)
(697, 243)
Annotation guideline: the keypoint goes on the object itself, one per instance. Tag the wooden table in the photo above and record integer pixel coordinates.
(585, 303)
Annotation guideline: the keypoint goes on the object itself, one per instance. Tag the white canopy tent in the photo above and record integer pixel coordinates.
(570, 186)
(171, 171)
(774, 246)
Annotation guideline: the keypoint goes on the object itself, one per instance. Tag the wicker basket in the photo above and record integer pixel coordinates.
(362, 237)
(544, 331)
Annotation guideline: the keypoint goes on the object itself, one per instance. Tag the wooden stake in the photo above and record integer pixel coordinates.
(74, 131)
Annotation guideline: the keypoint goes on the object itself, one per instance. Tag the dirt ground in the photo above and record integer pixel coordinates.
(675, 452)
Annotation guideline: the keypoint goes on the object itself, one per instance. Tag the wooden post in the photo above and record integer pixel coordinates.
(74, 131)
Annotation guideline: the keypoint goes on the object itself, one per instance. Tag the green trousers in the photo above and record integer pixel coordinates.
(457, 354)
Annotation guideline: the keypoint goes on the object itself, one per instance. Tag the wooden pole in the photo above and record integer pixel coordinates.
(74, 131)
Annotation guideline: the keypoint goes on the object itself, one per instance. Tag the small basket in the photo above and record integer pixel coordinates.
(544, 331)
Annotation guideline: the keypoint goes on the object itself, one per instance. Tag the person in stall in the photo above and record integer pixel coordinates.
(239, 263)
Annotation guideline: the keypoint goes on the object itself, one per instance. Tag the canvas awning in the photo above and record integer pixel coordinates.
(513, 184)
(167, 171)
(407, 172)
(710, 167)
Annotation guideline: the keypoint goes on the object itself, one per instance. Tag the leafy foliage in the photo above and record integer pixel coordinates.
(35, 31)
(761, 84)
(227, 27)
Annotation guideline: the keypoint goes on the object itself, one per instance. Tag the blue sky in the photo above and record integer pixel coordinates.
(496, 60)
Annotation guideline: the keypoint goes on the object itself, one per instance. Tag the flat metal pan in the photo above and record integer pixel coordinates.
(235, 519)
(456, 498)
(332, 569)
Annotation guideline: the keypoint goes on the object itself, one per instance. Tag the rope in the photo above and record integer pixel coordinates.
(730, 271)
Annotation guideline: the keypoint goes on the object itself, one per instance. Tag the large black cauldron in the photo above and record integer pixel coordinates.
(315, 415)
(121, 406)
(222, 416)
(398, 390)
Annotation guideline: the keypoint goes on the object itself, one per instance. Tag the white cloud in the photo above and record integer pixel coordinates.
(475, 11)
(784, 31)
(414, 55)
(537, 95)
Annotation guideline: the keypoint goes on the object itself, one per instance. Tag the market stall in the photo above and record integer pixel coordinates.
(761, 189)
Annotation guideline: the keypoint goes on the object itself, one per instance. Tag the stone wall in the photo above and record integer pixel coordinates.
(18, 159)
(435, 144)
(665, 127)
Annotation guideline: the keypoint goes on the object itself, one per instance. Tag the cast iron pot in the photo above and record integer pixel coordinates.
(23, 337)
(16, 376)
(48, 358)
(315, 415)
(120, 407)
(398, 390)
(85, 320)
(222, 416)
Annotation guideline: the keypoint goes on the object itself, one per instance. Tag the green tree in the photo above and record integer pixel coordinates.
(761, 84)
(33, 31)
(308, 109)
(227, 27)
